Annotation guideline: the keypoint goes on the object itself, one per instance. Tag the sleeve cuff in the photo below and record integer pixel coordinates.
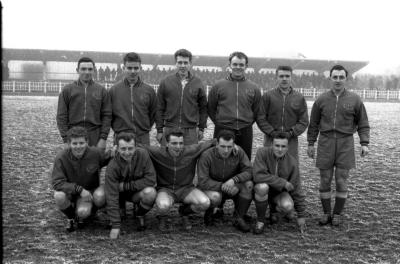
(78, 189)
(160, 130)
(236, 179)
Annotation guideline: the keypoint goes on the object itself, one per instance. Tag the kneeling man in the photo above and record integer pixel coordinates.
(175, 165)
(225, 173)
(76, 178)
(130, 176)
(277, 179)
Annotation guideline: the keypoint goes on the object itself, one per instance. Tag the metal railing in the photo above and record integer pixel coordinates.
(52, 88)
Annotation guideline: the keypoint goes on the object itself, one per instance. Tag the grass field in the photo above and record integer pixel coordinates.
(33, 229)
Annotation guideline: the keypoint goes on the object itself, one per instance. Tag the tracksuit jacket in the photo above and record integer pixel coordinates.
(338, 116)
(87, 106)
(133, 108)
(176, 172)
(283, 113)
(136, 175)
(178, 106)
(234, 104)
(214, 170)
(70, 174)
(276, 172)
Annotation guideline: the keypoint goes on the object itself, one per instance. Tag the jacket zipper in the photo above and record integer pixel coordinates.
(237, 105)
(173, 185)
(334, 119)
(223, 171)
(283, 111)
(84, 111)
(180, 108)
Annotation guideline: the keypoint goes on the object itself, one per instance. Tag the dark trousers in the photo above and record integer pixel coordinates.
(243, 137)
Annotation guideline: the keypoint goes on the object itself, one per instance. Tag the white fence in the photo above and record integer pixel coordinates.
(54, 88)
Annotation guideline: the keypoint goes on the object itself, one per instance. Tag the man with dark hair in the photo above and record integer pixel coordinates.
(233, 103)
(75, 178)
(224, 172)
(182, 102)
(134, 102)
(87, 104)
(130, 176)
(175, 164)
(335, 116)
(277, 181)
(283, 110)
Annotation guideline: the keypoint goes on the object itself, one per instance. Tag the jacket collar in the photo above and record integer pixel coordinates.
(218, 155)
(80, 83)
(229, 78)
(189, 77)
(72, 156)
(138, 83)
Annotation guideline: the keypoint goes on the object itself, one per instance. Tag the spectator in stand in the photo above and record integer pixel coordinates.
(134, 102)
(335, 116)
(87, 104)
(101, 74)
(107, 73)
(182, 102)
(113, 72)
(283, 110)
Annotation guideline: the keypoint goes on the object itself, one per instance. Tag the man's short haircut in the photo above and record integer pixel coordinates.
(226, 135)
(174, 132)
(240, 55)
(85, 59)
(183, 53)
(77, 132)
(338, 67)
(283, 68)
(126, 136)
(132, 57)
(280, 135)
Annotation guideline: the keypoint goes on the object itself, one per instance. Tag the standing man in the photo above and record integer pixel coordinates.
(225, 173)
(277, 182)
(335, 116)
(134, 102)
(87, 104)
(75, 178)
(233, 103)
(175, 165)
(130, 176)
(182, 102)
(283, 110)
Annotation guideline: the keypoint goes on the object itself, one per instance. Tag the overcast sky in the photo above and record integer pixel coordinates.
(318, 29)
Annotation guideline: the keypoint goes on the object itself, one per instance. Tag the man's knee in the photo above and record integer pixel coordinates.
(215, 198)
(83, 210)
(200, 201)
(61, 199)
(285, 203)
(261, 189)
(164, 204)
(326, 179)
(149, 195)
(99, 197)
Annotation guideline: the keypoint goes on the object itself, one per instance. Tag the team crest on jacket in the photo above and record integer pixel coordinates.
(145, 98)
(97, 94)
(91, 168)
(347, 106)
(250, 92)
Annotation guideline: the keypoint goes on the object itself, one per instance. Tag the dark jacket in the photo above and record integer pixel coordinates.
(138, 174)
(176, 172)
(234, 104)
(177, 107)
(338, 116)
(213, 170)
(276, 172)
(133, 108)
(87, 106)
(70, 174)
(283, 113)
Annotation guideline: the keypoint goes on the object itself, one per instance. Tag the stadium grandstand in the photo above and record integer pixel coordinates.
(27, 68)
